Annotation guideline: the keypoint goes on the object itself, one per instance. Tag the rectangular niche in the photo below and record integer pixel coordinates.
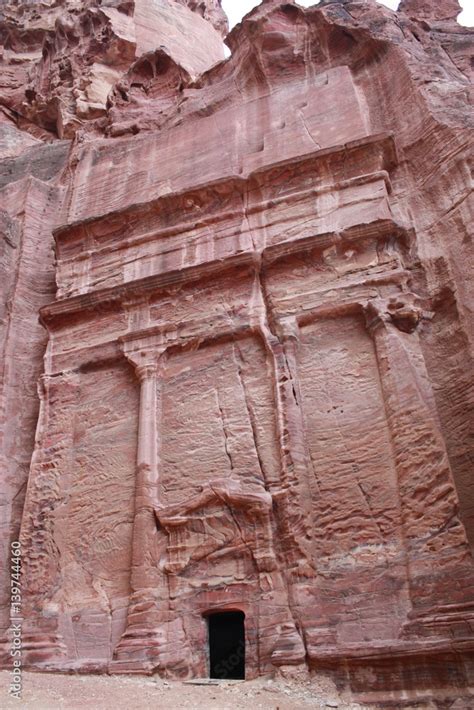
(218, 418)
(357, 537)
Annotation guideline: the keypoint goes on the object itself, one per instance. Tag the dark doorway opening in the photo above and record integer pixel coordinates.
(227, 645)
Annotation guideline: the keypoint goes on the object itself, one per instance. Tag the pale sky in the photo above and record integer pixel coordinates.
(236, 9)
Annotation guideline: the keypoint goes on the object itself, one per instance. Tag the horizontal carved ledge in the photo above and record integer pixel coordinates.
(221, 217)
(378, 229)
(127, 294)
(107, 299)
(82, 230)
(160, 339)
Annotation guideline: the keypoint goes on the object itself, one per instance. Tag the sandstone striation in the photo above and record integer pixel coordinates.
(256, 391)
(60, 61)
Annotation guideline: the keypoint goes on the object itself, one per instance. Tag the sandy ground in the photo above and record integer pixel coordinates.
(51, 691)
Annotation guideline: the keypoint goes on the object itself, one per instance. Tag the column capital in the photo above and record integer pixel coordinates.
(146, 361)
(288, 328)
(146, 371)
(400, 311)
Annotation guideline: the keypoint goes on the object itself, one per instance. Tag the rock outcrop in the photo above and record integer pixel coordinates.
(256, 393)
(61, 59)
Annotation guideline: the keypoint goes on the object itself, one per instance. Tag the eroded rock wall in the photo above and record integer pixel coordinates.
(31, 201)
(58, 62)
(61, 59)
(257, 390)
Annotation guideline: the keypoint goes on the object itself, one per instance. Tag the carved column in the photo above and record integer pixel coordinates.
(138, 643)
(146, 486)
(439, 562)
(294, 496)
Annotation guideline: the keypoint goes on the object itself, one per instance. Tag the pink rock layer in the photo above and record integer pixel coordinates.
(251, 388)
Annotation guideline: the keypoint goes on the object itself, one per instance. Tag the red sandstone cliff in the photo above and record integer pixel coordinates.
(58, 62)
(284, 240)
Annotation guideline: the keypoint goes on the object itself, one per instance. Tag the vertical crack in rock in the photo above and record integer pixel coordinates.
(369, 507)
(224, 431)
(250, 413)
(308, 133)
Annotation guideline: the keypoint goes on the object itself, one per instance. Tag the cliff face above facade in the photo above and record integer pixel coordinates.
(256, 390)
(61, 59)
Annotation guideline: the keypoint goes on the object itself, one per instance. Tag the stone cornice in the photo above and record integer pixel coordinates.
(138, 289)
(210, 220)
(384, 140)
(376, 230)
(141, 288)
(160, 338)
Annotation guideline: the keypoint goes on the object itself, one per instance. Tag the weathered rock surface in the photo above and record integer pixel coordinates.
(257, 388)
(60, 61)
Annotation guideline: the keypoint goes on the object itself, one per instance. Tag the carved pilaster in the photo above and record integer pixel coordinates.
(294, 497)
(138, 643)
(147, 450)
(42, 642)
(439, 563)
